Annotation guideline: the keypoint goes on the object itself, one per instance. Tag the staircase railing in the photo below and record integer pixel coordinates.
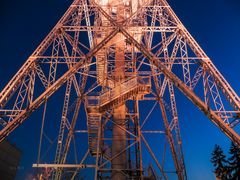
(117, 91)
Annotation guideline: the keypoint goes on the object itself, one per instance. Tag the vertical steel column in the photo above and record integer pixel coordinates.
(119, 114)
(119, 143)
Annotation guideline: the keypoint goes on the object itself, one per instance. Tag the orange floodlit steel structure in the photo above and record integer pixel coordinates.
(111, 56)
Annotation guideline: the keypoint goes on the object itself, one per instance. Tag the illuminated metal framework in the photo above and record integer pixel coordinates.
(114, 57)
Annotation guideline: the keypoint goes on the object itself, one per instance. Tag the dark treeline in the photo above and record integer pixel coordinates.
(226, 168)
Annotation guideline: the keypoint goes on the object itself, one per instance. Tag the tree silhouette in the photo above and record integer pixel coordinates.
(220, 163)
(234, 162)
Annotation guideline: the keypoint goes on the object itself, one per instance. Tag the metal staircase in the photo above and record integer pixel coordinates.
(95, 105)
(101, 54)
(118, 95)
(93, 127)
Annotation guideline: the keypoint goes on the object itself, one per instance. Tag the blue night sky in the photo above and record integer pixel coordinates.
(215, 24)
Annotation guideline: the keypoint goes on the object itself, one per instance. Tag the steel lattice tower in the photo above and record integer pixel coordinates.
(107, 58)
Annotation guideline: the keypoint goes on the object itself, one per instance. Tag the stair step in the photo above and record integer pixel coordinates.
(93, 125)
